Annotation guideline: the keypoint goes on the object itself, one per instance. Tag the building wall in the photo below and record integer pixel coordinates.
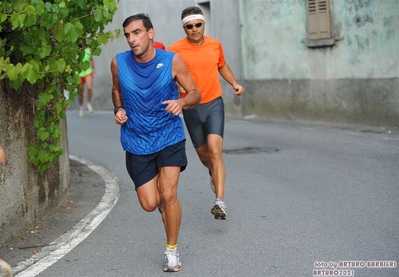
(274, 31)
(354, 81)
(165, 16)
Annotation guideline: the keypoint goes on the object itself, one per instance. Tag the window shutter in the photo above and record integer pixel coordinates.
(319, 26)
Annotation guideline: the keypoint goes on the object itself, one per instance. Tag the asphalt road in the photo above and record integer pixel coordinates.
(303, 199)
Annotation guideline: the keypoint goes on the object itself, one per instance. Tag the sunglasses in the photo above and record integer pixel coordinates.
(190, 26)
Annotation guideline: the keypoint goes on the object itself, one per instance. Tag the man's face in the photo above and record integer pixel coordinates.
(137, 37)
(194, 30)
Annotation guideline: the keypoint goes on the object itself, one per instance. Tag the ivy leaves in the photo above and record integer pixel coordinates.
(42, 43)
(18, 73)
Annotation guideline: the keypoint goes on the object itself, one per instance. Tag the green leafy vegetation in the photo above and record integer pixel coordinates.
(42, 45)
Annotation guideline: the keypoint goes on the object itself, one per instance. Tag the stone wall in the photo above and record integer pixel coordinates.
(25, 194)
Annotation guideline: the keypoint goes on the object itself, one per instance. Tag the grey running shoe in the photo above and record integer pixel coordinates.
(212, 184)
(172, 261)
(160, 208)
(219, 209)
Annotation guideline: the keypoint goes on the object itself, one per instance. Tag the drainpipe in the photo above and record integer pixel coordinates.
(240, 100)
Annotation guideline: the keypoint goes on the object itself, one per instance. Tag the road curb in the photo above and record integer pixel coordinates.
(65, 243)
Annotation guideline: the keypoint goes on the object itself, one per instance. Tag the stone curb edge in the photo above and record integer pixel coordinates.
(65, 243)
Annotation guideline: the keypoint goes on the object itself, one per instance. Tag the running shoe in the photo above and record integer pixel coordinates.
(81, 114)
(172, 261)
(90, 108)
(219, 209)
(212, 184)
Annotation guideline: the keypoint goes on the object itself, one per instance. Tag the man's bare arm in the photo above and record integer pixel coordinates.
(120, 116)
(2, 155)
(228, 75)
(184, 79)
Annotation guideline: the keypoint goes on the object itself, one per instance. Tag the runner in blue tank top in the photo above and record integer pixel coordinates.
(151, 83)
(147, 106)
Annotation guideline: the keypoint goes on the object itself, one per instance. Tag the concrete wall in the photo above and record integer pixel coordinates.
(368, 49)
(24, 193)
(354, 81)
(165, 15)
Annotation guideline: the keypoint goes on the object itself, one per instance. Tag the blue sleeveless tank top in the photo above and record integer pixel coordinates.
(144, 86)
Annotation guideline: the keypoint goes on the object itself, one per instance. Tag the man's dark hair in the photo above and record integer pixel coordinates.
(191, 10)
(140, 16)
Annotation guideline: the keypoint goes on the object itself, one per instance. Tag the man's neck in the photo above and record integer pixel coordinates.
(196, 43)
(147, 56)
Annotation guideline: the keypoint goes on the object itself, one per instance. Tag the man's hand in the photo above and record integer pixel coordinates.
(120, 117)
(174, 106)
(238, 89)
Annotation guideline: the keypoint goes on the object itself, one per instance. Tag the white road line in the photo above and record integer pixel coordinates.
(391, 139)
(61, 246)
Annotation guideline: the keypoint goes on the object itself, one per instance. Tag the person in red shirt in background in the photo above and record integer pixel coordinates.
(159, 45)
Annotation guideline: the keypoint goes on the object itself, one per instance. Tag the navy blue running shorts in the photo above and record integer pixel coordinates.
(143, 168)
(203, 120)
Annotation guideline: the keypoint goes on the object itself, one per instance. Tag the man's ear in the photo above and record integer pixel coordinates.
(151, 33)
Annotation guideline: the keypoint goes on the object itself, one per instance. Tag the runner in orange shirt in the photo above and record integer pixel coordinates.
(205, 123)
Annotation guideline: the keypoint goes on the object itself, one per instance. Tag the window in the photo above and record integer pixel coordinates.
(319, 23)
(319, 19)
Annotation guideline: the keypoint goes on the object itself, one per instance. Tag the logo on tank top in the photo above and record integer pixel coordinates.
(159, 65)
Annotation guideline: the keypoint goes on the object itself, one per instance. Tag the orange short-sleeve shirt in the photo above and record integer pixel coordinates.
(203, 63)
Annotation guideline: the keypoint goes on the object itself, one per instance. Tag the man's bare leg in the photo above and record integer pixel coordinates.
(163, 189)
(80, 98)
(171, 215)
(89, 84)
(211, 157)
(172, 210)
